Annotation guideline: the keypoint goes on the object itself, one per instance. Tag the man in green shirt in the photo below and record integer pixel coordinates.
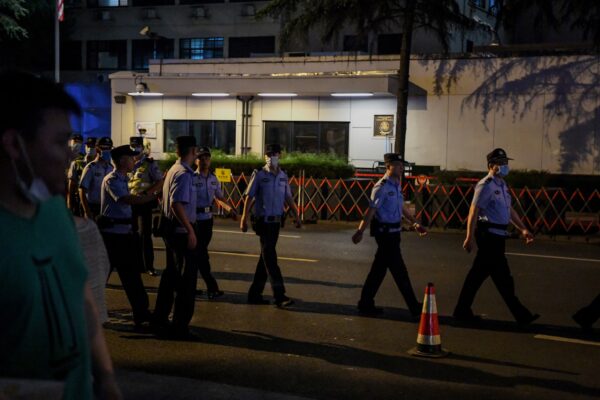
(49, 327)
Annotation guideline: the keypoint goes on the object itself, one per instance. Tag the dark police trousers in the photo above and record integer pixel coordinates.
(204, 231)
(590, 313)
(490, 261)
(388, 255)
(267, 263)
(125, 258)
(142, 221)
(177, 283)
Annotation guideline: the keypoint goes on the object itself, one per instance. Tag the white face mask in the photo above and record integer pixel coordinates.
(37, 191)
(504, 170)
(273, 162)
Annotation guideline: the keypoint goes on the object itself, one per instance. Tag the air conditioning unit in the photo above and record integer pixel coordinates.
(150, 13)
(104, 15)
(248, 10)
(199, 12)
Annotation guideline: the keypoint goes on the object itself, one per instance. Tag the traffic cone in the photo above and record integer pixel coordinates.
(429, 341)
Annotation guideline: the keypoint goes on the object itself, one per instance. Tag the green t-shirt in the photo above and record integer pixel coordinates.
(42, 276)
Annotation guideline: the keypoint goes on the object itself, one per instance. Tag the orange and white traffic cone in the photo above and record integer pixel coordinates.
(429, 341)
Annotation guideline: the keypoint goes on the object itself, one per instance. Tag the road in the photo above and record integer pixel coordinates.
(322, 349)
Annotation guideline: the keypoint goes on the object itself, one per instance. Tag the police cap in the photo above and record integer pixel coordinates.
(121, 151)
(497, 155)
(394, 157)
(76, 137)
(136, 141)
(105, 141)
(273, 148)
(203, 151)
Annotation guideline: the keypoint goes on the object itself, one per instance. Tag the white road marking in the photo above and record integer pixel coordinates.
(567, 340)
(555, 257)
(251, 233)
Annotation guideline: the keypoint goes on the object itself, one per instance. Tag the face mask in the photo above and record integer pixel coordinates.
(37, 191)
(76, 147)
(273, 161)
(106, 155)
(504, 170)
(90, 151)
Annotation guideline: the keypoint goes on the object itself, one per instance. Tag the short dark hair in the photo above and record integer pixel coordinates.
(26, 97)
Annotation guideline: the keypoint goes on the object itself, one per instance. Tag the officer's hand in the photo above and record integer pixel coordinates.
(468, 244)
(191, 240)
(420, 230)
(528, 236)
(244, 225)
(357, 237)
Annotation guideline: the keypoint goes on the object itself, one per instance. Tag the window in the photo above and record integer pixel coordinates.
(390, 43)
(356, 43)
(241, 47)
(70, 55)
(309, 137)
(106, 54)
(108, 3)
(214, 134)
(201, 48)
(143, 50)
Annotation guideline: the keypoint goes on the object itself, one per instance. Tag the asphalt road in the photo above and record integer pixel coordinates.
(321, 348)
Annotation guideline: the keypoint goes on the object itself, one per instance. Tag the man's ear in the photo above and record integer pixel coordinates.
(9, 144)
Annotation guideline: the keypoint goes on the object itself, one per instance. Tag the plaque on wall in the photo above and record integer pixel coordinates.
(383, 126)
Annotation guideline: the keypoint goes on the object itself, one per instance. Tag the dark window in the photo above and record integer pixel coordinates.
(70, 56)
(108, 3)
(143, 50)
(240, 47)
(390, 43)
(356, 43)
(309, 137)
(106, 54)
(214, 134)
(153, 2)
(201, 48)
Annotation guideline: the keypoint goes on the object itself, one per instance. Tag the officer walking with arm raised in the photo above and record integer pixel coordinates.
(271, 190)
(146, 178)
(115, 224)
(179, 216)
(489, 216)
(385, 216)
(92, 176)
(208, 189)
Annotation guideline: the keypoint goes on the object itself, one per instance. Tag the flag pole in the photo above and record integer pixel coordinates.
(57, 42)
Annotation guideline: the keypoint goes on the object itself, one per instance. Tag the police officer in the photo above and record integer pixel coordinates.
(587, 316)
(385, 214)
(270, 189)
(208, 190)
(116, 225)
(74, 173)
(489, 216)
(178, 281)
(92, 176)
(145, 178)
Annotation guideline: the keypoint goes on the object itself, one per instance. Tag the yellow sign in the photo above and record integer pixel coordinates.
(223, 174)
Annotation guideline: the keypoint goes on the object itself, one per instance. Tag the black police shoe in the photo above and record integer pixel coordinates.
(527, 321)
(257, 300)
(214, 294)
(284, 302)
(583, 322)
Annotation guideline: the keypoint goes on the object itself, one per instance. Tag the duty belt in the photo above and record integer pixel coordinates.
(204, 210)
(490, 225)
(272, 218)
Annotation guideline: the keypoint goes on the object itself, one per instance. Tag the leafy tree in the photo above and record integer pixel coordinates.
(369, 17)
(11, 11)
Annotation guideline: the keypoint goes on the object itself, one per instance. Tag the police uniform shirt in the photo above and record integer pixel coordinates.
(387, 199)
(145, 173)
(77, 165)
(494, 202)
(114, 188)
(207, 187)
(270, 190)
(179, 187)
(91, 179)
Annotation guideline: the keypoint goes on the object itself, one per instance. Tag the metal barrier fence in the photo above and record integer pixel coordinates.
(545, 210)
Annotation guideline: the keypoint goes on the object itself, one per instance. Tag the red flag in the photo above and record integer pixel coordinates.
(60, 10)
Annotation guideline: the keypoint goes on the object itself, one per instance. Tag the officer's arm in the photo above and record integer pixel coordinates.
(516, 220)
(364, 223)
(83, 185)
(156, 187)
(248, 201)
(472, 220)
(179, 211)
